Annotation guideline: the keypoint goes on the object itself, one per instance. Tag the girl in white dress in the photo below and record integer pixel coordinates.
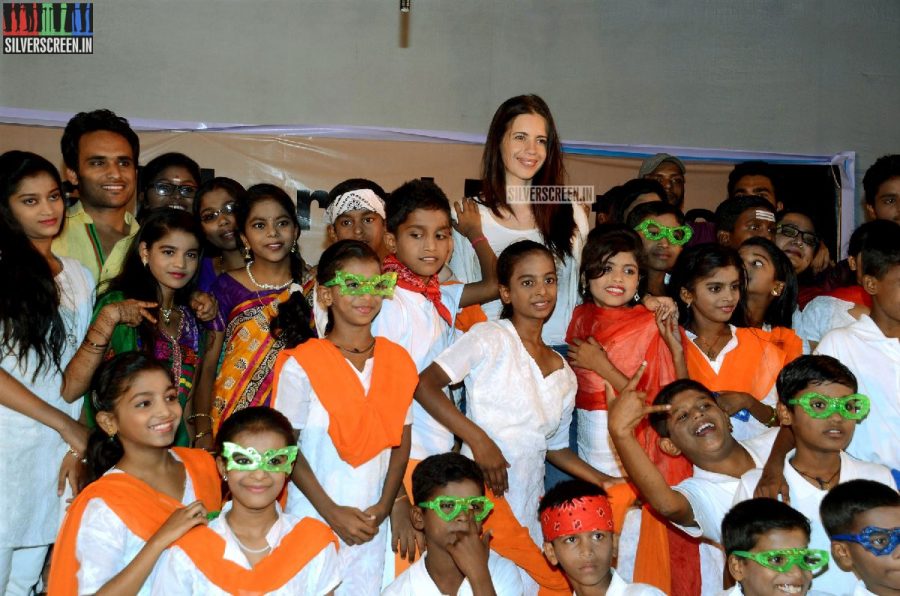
(45, 308)
(520, 394)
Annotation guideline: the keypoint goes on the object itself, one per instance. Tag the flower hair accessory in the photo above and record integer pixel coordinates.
(586, 514)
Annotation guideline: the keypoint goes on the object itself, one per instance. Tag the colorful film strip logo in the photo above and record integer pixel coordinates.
(48, 27)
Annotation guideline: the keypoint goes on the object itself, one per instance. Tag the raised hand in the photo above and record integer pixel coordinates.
(628, 409)
(132, 312)
(204, 306)
(468, 218)
(469, 550)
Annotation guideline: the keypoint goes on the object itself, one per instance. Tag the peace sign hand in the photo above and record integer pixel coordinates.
(627, 410)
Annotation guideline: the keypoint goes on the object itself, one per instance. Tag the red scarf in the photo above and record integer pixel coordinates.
(408, 280)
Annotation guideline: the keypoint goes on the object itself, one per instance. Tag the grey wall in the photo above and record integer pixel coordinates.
(812, 76)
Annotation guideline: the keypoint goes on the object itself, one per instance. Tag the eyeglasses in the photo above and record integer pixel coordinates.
(783, 559)
(248, 459)
(227, 209)
(448, 508)
(652, 230)
(792, 231)
(878, 541)
(852, 407)
(352, 284)
(166, 189)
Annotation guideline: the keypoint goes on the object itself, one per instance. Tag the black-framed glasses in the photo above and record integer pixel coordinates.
(227, 209)
(167, 189)
(792, 231)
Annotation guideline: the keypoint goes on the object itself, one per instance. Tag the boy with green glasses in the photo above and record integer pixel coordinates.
(664, 234)
(818, 399)
(863, 519)
(448, 490)
(767, 544)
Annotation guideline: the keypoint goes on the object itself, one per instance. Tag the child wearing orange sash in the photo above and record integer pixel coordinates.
(740, 363)
(260, 300)
(610, 335)
(253, 546)
(349, 396)
(119, 525)
(772, 294)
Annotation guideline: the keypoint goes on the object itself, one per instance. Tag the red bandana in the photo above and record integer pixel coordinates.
(587, 514)
(408, 280)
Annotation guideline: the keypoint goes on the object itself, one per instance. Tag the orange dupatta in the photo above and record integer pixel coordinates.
(666, 557)
(142, 510)
(206, 550)
(360, 425)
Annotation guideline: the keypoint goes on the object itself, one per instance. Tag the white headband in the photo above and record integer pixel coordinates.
(363, 199)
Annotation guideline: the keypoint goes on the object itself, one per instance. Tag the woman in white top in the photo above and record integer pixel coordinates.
(520, 394)
(523, 151)
(45, 309)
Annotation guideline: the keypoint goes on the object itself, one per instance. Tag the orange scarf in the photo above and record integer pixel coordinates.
(142, 510)
(360, 425)
(789, 342)
(752, 366)
(206, 550)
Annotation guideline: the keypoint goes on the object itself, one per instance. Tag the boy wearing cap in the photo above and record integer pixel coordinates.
(356, 212)
(577, 523)
(668, 170)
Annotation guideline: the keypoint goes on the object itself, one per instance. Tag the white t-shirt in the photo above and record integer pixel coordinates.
(711, 494)
(523, 412)
(361, 566)
(821, 315)
(619, 587)
(464, 264)
(416, 581)
(179, 576)
(105, 545)
(875, 360)
(411, 320)
(806, 499)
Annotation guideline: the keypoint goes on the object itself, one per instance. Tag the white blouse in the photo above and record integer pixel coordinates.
(524, 413)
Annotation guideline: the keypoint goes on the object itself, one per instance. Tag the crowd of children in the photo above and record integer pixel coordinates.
(199, 410)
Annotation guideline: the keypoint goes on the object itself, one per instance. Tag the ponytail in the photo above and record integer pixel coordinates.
(293, 324)
(103, 452)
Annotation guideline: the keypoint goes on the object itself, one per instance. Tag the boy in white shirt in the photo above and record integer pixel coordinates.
(863, 520)
(818, 400)
(576, 519)
(870, 348)
(448, 490)
(767, 546)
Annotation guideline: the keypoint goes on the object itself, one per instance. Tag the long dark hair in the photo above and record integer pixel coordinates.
(234, 189)
(555, 221)
(29, 302)
(698, 262)
(136, 281)
(334, 258)
(294, 322)
(110, 382)
(511, 256)
(780, 312)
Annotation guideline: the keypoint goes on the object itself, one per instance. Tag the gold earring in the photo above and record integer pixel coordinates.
(247, 254)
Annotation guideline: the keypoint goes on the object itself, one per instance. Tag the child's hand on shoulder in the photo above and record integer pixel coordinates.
(179, 523)
(734, 401)
(628, 409)
(204, 306)
(468, 218)
(668, 329)
(663, 306)
(352, 525)
(589, 354)
(470, 551)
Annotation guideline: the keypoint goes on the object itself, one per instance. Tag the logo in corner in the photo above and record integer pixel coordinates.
(48, 27)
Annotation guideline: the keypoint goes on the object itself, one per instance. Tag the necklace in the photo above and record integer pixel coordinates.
(355, 350)
(252, 551)
(265, 286)
(823, 484)
(710, 349)
(166, 314)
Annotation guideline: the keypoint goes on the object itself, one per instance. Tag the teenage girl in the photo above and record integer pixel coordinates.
(46, 359)
(161, 267)
(772, 293)
(253, 546)
(740, 363)
(259, 300)
(519, 392)
(214, 207)
(144, 495)
(349, 397)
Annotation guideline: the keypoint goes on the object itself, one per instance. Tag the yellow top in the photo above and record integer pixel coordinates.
(80, 241)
